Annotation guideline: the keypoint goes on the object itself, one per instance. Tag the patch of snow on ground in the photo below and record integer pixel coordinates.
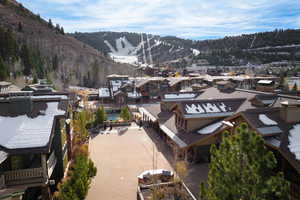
(210, 129)
(125, 59)
(294, 139)
(123, 54)
(266, 120)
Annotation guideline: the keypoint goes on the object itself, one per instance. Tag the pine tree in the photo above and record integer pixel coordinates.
(125, 114)
(55, 62)
(3, 70)
(27, 60)
(50, 24)
(10, 47)
(242, 168)
(100, 115)
(76, 186)
(62, 31)
(57, 27)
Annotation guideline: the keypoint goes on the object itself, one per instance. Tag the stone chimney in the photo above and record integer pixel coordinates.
(290, 111)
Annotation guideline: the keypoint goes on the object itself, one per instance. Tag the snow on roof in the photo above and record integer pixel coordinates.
(294, 139)
(266, 120)
(201, 108)
(210, 128)
(180, 96)
(273, 141)
(104, 92)
(144, 111)
(174, 137)
(3, 156)
(65, 97)
(155, 172)
(265, 81)
(25, 132)
(134, 94)
(269, 130)
(268, 102)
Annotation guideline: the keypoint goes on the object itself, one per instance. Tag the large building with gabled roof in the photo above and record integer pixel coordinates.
(35, 143)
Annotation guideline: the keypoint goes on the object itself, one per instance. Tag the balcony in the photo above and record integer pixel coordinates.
(23, 176)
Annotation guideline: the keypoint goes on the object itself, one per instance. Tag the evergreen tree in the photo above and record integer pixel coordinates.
(27, 60)
(9, 45)
(62, 31)
(57, 27)
(3, 70)
(55, 62)
(50, 24)
(242, 168)
(125, 114)
(100, 115)
(76, 186)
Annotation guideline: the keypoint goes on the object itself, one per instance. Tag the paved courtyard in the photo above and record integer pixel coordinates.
(121, 158)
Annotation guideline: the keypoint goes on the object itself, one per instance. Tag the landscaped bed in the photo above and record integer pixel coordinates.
(164, 191)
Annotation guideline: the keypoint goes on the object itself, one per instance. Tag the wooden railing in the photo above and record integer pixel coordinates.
(22, 176)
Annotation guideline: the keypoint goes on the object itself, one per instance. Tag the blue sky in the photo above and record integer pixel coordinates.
(193, 19)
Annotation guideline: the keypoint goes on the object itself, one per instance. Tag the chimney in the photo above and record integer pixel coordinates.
(290, 111)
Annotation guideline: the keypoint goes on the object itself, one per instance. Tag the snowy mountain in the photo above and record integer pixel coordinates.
(135, 48)
(257, 48)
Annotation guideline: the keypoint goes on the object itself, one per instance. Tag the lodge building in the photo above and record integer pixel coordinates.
(35, 143)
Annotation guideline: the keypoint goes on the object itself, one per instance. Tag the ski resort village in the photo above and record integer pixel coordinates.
(211, 113)
(145, 135)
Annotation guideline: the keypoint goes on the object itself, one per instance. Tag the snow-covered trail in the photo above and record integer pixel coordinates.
(143, 47)
(149, 50)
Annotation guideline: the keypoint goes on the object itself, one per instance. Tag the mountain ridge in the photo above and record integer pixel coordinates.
(230, 50)
(77, 63)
